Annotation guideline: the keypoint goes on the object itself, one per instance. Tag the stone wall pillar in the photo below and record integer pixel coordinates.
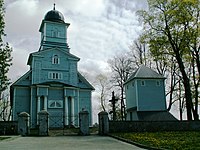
(103, 123)
(43, 120)
(84, 123)
(24, 124)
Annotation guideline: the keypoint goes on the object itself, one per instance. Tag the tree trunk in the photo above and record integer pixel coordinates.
(186, 83)
(122, 103)
(196, 87)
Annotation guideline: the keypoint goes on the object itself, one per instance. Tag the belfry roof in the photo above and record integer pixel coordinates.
(144, 72)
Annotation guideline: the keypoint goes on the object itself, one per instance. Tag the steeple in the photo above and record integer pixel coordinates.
(54, 30)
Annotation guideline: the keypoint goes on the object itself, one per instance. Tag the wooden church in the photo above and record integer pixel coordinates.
(53, 82)
(145, 96)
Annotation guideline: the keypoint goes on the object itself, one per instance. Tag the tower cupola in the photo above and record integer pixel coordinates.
(54, 15)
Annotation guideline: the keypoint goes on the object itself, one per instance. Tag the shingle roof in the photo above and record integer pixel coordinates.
(144, 72)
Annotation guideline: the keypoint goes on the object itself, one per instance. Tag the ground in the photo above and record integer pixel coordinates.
(92, 142)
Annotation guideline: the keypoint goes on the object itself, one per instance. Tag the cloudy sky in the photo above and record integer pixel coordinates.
(99, 29)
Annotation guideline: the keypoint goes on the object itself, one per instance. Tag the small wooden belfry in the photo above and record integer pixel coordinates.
(145, 96)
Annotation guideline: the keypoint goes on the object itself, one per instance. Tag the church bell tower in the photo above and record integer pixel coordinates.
(53, 31)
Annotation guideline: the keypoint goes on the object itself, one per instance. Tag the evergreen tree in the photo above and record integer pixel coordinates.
(5, 54)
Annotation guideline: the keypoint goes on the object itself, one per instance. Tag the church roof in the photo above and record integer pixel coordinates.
(144, 72)
(54, 15)
(84, 83)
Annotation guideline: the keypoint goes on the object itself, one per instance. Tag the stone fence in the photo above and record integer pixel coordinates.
(8, 127)
(153, 126)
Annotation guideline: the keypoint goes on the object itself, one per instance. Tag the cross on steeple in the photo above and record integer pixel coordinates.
(54, 6)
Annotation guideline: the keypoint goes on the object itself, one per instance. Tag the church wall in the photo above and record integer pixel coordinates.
(85, 103)
(130, 94)
(55, 33)
(44, 69)
(21, 100)
(73, 79)
(56, 93)
(132, 115)
(151, 97)
(42, 91)
(33, 108)
(36, 71)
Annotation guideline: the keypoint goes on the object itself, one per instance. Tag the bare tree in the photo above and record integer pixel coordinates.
(139, 53)
(103, 87)
(121, 67)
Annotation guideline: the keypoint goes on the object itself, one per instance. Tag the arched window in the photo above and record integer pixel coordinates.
(55, 59)
(55, 104)
(55, 33)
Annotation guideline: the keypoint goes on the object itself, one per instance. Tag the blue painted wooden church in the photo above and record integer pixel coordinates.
(145, 96)
(53, 82)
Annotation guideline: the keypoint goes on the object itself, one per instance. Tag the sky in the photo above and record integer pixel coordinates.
(99, 29)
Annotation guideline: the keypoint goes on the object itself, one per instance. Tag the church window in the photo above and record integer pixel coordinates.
(55, 104)
(142, 83)
(55, 59)
(55, 33)
(133, 83)
(55, 75)
(157, 83)
(58, 34)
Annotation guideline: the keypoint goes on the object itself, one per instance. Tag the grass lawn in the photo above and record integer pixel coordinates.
(166, 140)
(3, 138)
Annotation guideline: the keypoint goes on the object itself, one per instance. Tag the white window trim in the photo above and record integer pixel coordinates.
(60, 102)
(55, 59)
(55, 33)
(55, 75)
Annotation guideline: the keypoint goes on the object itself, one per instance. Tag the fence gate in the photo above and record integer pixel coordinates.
(56, 120)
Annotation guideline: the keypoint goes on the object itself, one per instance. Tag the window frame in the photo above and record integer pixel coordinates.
(143, 83)
(55, 59)
(50, 102)
(55, 75)
(158, 83)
